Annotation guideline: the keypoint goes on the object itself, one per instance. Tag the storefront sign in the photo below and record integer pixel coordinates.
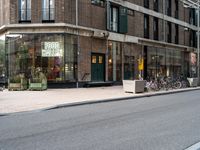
(52, 49)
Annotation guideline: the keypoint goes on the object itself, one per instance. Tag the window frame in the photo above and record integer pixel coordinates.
(26, 17)
(47, 16)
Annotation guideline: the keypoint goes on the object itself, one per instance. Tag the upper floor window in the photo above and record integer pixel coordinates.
(48, 10)
(24, 10)
(168, 7)
(177, 8)
(155, 28)
(193, 38)
(176, 34)
(117, 18)
(169, 32)
(155, 3)
(114, 18)
(146, 26)
(193, 16)
(98, 2)
(146, 3)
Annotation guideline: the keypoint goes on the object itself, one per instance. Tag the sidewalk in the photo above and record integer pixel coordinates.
(20, 101)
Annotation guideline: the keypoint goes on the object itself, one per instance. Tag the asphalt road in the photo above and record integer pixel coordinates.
(169, 122)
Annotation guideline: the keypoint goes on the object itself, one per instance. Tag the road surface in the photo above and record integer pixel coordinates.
(168, 122)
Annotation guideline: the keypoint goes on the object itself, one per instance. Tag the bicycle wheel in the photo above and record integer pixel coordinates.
(177, 85)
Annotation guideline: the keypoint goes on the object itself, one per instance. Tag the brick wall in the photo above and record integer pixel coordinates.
(4, 12)
(89, 45)
(92, 16)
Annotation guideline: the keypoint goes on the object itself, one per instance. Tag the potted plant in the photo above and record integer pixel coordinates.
(38, 82)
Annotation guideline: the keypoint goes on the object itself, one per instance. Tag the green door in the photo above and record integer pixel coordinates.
(97, 67)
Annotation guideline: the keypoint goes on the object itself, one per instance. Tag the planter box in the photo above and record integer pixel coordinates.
(39, 86)
(193, 82)
(134, 86)
(17, 86)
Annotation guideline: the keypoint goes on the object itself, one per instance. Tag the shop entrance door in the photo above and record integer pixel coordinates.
(97, 67)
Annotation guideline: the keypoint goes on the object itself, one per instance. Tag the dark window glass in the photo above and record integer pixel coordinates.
(169, 32)
(168, 7)
(146, 3)
(193, 38)
(192, 17)
(146, 26)
(176, 34)
(155, 3)
(176, 9)
(155, 28)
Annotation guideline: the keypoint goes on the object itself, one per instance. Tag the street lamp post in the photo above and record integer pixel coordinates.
(196, 5)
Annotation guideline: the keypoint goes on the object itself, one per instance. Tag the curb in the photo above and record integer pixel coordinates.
(119, 99)
(90, 102)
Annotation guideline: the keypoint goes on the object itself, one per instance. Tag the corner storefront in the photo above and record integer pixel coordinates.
(53, 54)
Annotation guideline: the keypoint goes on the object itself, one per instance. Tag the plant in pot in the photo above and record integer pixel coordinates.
(17, 82)
(38, 82)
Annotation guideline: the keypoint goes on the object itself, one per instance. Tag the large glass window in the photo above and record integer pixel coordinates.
(132, 61)
(25, 10)
(2, 57)
(53, 54)
(48, 10)
(166, 62)
(70, 58)
(114, 62)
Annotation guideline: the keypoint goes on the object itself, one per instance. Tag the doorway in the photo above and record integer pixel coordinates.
(97, 67)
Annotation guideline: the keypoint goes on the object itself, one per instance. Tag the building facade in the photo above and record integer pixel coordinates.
(77, 41)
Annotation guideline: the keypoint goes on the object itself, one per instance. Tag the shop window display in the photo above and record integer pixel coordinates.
(28, 52)
(166, 62)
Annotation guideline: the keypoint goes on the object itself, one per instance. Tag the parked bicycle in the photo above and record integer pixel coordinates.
(166, 83)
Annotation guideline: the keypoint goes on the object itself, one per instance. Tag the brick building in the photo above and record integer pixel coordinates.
(96, 40)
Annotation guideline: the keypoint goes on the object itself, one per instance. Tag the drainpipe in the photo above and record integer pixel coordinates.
(76, 12)
(77, 84)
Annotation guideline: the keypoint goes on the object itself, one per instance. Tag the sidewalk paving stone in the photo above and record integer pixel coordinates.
(22, 101)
